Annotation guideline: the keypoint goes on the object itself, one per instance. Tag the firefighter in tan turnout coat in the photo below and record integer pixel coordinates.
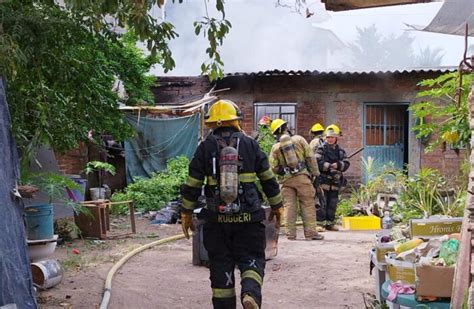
(293, 161)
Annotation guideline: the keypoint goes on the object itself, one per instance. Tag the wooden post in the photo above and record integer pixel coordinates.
(464, 270)
(131, 208)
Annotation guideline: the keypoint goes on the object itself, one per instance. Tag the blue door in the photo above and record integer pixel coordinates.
(385, 134)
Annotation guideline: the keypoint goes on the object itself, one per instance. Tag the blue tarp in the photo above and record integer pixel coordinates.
(15, 275)
(158, 140)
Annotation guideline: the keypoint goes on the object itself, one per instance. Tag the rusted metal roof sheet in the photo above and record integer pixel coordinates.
(344, 5)
(344, 72)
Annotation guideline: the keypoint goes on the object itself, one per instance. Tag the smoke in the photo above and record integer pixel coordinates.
(266, 37)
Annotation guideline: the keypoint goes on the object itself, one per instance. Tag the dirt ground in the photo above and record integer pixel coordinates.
(333, 273)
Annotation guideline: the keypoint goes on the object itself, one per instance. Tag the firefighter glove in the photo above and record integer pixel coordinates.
(276, 213)
(187, 223)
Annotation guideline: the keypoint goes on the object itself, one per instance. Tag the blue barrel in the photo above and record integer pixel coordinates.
(39, 222)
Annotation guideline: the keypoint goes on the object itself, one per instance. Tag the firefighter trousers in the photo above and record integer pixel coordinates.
(326, 216)
(299, 188)
(231, 244)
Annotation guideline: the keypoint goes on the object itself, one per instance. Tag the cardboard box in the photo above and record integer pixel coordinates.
(400, 270)
(428, 228)
(381, 249)
(434, 281)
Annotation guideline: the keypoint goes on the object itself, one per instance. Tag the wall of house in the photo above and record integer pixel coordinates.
(167, 90)
(337, 98)
(73, 161)
(179, 89)
(325, 98)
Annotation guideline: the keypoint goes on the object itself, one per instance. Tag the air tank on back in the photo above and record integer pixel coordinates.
(288, 149)
(229, 174)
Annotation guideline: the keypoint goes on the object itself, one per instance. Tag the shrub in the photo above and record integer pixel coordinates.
(345, 208)
(153, 193)
(428, 193)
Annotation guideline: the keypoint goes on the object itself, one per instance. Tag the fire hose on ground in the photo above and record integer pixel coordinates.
(108, 281)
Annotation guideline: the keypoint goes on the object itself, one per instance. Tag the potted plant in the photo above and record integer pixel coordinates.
(101, 168)
(39, 218)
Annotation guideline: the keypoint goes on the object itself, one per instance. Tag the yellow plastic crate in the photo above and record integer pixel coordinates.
(361, 223)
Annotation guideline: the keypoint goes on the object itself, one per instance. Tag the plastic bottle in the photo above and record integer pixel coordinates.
(387, 222)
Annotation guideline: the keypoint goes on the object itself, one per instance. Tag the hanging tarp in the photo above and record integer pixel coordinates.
(15, 275)
(158, 140)
(452, 18)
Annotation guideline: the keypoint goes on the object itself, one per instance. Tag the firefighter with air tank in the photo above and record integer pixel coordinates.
(229, 162)
(332, 161)
(317, 136)
(293, 161)
(317, 140)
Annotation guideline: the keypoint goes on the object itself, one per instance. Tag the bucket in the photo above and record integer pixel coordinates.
(41, 249)
(97, 193)
(39, 222)
(46, 274)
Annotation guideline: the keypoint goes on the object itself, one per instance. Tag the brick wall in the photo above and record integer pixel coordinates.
(336, 98)
(167, 90)
(448, 162)
(73, 161)
(173, 90)
(329, 98)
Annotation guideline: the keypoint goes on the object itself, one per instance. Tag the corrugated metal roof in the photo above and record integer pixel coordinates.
(344, 5)
(344, 72)
(452, 18)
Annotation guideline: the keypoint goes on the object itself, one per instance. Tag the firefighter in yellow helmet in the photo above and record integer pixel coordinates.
(316, 131)
(228, 163)
(332, 162)
(317, 140)
(293, 161)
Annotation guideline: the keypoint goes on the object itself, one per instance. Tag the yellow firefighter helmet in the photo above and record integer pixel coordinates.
(222, 110)
(332, 130)
(317, 127)
(276, 124)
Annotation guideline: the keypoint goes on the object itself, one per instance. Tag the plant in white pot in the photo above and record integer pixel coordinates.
(101, 168)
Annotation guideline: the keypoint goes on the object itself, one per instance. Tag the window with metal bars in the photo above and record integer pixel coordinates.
(285, 111)
(384, 125)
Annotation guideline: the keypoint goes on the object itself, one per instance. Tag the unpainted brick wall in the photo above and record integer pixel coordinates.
(329, 98)
(179, 89)
(73, 161)
(335, 99)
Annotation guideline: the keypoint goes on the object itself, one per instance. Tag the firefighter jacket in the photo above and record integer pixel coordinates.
(315, 143)
(326, 155)
(304, 154)
(204, 170)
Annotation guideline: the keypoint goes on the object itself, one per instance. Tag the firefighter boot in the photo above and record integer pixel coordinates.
(248, 302)
(315, 236)
(332, 228)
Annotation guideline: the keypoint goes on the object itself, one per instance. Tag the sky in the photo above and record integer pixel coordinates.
(266, 37)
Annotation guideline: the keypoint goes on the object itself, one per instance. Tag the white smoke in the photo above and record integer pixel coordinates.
(266, 37)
